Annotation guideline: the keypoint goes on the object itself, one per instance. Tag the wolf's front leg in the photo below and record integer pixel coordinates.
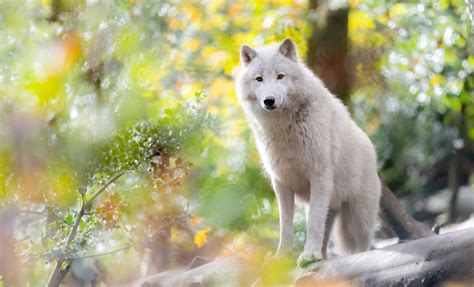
(286, 203)
(321, 189)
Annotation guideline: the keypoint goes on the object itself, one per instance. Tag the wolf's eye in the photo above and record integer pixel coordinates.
(259, 79)
(280, 76)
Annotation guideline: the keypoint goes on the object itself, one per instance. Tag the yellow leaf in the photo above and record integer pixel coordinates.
(436, 79)
(176, 24)
(195, 220)
(399, 9)
(358, 20)
(46, 90)
(444, 4)
(148, 94)
(192, 45)
(201, 237)
(470, 61)
(191, 12)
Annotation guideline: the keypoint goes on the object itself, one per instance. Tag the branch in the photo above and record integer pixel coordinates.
(58, 274)
(101, 254)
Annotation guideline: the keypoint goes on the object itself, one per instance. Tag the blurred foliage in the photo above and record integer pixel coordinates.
(91, 90)
(143, 91)
(415, 87)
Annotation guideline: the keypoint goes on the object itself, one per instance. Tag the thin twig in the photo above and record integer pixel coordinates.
(26, 211)
(57, 275)
(104, 187)
(59, 217)
(94, 212)
(36, 257)
(101, 254)
(43, 212)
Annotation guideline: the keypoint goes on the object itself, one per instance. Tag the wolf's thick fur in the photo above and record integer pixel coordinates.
(311, 148)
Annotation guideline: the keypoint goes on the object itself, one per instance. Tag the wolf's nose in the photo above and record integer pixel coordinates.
(269, 102)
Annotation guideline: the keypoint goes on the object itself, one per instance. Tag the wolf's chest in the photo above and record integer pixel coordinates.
(287, 155)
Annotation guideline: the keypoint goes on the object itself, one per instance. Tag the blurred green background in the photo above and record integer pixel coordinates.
(135, 100)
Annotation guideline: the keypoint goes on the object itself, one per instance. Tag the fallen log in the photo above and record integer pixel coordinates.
(220, 272)
(423, 262)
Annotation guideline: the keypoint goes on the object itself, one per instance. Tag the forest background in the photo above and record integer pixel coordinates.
(124, 152)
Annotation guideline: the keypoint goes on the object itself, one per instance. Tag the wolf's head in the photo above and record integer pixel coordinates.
(268, 81)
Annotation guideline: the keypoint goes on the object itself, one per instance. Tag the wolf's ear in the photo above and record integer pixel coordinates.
(288, 49)
(247, 54)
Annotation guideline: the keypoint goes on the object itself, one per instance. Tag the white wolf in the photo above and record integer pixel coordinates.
(311, 148)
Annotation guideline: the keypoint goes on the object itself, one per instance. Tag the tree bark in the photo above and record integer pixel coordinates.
(328, 48)
(423, 262)
(221, 272)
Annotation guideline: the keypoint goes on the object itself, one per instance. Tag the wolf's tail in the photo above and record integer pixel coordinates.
(356, 220)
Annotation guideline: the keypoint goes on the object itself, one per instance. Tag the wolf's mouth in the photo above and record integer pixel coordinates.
(270, 108)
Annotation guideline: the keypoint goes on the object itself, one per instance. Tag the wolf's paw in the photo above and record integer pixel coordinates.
(308, 257)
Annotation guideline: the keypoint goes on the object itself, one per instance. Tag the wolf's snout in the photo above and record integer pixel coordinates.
(269, 102)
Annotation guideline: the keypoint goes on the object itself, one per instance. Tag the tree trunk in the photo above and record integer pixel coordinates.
(328, 48)
(423, 262)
